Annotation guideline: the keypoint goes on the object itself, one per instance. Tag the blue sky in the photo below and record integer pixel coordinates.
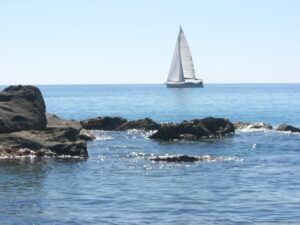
(132, 41)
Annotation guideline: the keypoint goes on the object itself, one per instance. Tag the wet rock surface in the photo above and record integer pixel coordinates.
(60, 141)
(118, 124)
(142, 124)
(25, 128)
(103, 123)
(286, 127)
(22, 108)
(60, 137)
(195, 129)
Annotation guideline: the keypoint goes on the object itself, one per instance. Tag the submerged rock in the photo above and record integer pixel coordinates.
(180, 158)
(286, 127)
(142, 124)
(195, 129)
(103, 123)
(22, 108)
(250, 126)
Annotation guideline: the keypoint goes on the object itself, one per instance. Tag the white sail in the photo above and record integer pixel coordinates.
(176, 71)
(186, 57)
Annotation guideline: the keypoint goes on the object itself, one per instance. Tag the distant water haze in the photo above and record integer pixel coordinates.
(100, 42)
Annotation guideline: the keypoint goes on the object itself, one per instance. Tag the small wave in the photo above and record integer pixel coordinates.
(101, 135)
(246, 130)
(288, 133)
(104, 138)
(134, 133)
(25, 153)
(7, 153)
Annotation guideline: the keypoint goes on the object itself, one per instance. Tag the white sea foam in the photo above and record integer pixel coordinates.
(101, 135)
(25, 153)
(104, 138)
(246, 130)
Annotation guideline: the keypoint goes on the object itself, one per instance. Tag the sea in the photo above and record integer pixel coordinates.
(251, 177)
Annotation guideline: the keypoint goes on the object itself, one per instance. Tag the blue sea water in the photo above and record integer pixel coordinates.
(254, 177)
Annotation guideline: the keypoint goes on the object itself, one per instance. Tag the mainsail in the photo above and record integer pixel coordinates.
(186, 57)
(182, 66)
(176, 71)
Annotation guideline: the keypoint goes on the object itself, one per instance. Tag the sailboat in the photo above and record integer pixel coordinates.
(182, 72)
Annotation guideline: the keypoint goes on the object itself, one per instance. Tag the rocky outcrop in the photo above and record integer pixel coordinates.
(57, 141)
(195, 129)
(103, 123)
(25, 128)
(181, 158)
(286, 127)
(118, 124)
(250, 126)
(60, 138)
(22, 108)
(142, 124)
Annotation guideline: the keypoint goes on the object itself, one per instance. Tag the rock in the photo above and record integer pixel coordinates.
(195, 129)
(86, 135)
(249, 126)
(181, 158)
(22, 108)
(59, 141)
(25, 129)
(142, 124)
(166, 131)
(55, 122)
(103, 123)
(60, 137)
(286, 127)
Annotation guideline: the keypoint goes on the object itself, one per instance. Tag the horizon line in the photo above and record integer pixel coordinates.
(91, 84)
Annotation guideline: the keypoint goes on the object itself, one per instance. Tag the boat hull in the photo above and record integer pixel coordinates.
(185, 85)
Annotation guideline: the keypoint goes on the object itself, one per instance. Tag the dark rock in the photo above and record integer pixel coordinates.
(142, 124)
(103, 123)
(248, 126)
(195, 129)
(166, 131)
(181, 158)
(26, 130)
(22, 108)
(54, 121)
(60, 141)
(286, 127)
(60, 137)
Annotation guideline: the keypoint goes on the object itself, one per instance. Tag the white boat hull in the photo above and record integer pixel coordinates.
(187, 84)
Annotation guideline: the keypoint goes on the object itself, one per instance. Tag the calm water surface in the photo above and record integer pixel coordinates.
(253, 179)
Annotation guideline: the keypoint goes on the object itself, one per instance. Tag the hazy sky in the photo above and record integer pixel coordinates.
(132, 41)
